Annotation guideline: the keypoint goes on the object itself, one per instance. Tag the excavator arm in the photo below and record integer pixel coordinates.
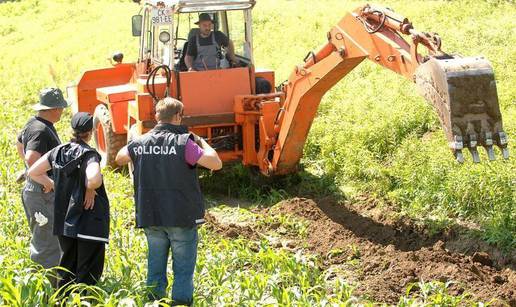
(461, 89)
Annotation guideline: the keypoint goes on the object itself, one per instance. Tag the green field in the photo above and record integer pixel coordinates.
(374, 137)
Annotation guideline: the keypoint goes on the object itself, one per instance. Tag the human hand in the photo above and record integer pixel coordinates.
(191, 69)
(89, 199)
(48, 187)
(21, 176)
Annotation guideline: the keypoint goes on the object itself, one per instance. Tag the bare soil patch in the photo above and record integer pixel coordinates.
(383, 255)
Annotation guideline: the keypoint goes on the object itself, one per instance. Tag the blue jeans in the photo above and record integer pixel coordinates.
(183, 243)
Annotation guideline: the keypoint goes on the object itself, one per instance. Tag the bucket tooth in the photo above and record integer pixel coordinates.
(505, 153)
(459, 156)
(463, 93)
(474, 154)
(502, 143)
(472, 146)
(488, 144)
(490, 153)
(456, 146)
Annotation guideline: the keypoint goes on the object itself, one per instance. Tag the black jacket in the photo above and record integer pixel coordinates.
(69, 171)
(166, 187)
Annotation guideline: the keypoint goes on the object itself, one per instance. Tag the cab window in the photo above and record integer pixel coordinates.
(235, 30)
(146, 36)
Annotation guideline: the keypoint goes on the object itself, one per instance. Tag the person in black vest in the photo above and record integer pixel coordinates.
(169, 203)
(37, 138)
(81, 208)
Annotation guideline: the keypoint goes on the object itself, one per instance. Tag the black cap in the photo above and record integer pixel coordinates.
(51, 98)
(204, 17)
(82, 122)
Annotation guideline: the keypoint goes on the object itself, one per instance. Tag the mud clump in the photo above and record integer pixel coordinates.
(482, 258)
(231, 230)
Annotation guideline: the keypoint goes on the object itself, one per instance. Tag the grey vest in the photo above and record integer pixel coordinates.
(166, 188)
(208, 57)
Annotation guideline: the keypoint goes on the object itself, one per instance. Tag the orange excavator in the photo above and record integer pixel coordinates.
(240, 112)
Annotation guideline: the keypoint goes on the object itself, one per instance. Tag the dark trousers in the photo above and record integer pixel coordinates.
(84, 259)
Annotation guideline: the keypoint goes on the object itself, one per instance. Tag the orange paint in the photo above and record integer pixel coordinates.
(212, 91)
(86, 90)
(268, 130)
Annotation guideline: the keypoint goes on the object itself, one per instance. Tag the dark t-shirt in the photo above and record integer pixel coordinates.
(221, 39)
(39, 135)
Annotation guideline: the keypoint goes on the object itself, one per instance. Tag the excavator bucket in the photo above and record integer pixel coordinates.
(463, 91)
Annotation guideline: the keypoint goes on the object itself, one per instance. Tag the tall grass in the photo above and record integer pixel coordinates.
(375, 135)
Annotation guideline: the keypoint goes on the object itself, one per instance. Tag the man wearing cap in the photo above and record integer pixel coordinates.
(204, 48)
(81, 208)
(37, 138)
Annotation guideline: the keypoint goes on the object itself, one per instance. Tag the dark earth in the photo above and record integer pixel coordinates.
(384, 255)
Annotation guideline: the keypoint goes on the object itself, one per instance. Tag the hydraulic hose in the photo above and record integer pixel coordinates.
(151, 87)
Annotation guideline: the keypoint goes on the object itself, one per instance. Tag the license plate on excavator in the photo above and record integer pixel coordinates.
(161, 16)
(463, 91)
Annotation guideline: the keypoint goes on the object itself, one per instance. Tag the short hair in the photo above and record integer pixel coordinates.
(167, 107)
(78, 136)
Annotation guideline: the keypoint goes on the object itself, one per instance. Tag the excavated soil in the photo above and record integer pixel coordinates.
(231, 230)
(383, 255)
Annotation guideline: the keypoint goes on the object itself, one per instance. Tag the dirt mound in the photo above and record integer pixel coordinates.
(231, 230)
(392, 254)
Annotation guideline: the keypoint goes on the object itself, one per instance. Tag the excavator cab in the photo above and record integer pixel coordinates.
(165, 27)
(208, 96)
